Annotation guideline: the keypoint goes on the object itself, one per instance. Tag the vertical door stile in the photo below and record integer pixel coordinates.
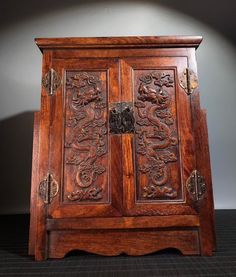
(41, 239)
(127, 141)
(186, 134)
(56, 135)
(115, 143)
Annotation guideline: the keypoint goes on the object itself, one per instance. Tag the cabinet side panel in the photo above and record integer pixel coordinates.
(205, 205)
(41, 240)
(34, 183)
(205, 165)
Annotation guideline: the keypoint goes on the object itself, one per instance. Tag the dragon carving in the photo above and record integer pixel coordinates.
(86, 135)
(155, 138)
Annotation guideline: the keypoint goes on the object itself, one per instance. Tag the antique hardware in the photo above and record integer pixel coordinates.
(188, 80)
(48, 189)
(121, 118)
(196, 185)
(51, 81)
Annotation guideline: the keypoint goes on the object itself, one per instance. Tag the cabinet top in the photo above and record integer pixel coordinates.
(119, 42)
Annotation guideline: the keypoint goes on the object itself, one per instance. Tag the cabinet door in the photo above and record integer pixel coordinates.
(88, 173)
(159, 156)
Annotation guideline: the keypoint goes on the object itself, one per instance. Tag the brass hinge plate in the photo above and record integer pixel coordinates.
(48, 188)
(51, 81)
(188, 80)
(196, 185)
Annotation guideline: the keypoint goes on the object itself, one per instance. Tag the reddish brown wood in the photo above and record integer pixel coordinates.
(118, 53)
(120, 192)
(123, 222)
(206, 207)
(41, 239)
(208, 243)
(133, 242)
(83, 145)
(34, 183)
(177, 144)
(119, 42)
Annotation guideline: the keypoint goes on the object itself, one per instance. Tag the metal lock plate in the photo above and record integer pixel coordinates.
(121, 118)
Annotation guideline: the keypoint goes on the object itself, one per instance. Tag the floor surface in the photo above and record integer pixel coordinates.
(14, 260)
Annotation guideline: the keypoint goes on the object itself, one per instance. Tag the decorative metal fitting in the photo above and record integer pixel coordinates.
(188, 80)
(121, 118)
(51, 81)
(196, 186)
(48, 189)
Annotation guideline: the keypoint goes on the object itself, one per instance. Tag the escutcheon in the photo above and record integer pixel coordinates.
(121, 118)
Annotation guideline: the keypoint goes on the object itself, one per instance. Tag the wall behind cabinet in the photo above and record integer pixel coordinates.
(20, 75)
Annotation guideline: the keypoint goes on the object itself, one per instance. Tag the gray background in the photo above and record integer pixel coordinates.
(20, 74)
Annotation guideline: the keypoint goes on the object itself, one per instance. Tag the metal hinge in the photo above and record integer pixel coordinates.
(48, 188)
(196, 186)
(51, 81)
(188, 80)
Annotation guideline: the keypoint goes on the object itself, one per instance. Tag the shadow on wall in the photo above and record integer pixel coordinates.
(16, 132)
(16, 136)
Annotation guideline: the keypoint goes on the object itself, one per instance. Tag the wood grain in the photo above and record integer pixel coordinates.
(119, 42)
(34, 183)
(206, 206)
(104, 204)
(130, 242)
(41, 237)
(123, 222)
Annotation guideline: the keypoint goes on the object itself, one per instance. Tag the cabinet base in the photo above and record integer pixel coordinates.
(114, 242)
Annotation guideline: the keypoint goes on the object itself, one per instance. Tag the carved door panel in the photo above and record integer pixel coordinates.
(159, 156)
(88, 173)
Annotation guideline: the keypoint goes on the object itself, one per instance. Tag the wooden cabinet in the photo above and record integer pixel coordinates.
(120, 159)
